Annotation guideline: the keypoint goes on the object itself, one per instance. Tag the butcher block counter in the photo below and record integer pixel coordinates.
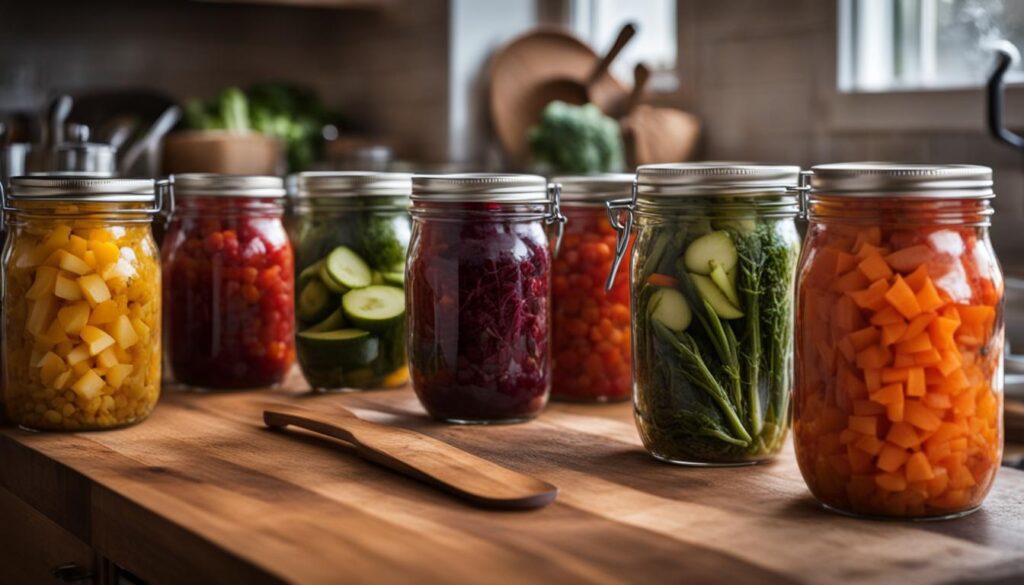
(203, 493)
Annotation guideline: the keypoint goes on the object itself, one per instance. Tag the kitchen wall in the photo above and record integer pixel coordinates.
(761, 74)
(384, 66)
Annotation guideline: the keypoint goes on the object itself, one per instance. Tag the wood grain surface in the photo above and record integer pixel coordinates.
(203, 492)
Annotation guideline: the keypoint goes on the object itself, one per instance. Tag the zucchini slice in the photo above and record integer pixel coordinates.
(717, 246)
(375, 308)
(344, 348)
(315, 302)
(347, 269)
(668, 307)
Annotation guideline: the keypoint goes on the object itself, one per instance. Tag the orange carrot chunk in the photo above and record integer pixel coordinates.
(902, 298)
(845, 263)
(907, 259)
(893, 482)
(865, 425)
(921, 416)
(942, 331)
(873, 357)
(864, 337)
(662, 280)
(887, 316)
(903, 435)
(919, 468)
(891, 457)
(874, 268)
(916, 385)
(916, 278)
(892, 332)
(915, 345)
(873, 297)
(928, 298)
(888, 394)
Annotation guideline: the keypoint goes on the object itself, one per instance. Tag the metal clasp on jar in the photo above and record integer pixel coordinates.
(616, 208)
(556, 216)
(802, 190)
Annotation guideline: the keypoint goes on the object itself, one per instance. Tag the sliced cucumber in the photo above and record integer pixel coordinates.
(377, 278)
(347, 269)
(726, 281)
(715, 297)
(669, 307)
(315, 302)
(341, 348)
(715, 246)
(332, 285)
(375, 308)
(395, 278)
(309, 273)
(335, 320)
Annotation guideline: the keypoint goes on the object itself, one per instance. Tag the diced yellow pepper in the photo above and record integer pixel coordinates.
(89, 385)
(107, 358)
(62, 379)
(55, 333)
(59, 237)
(50, 367)
(106, 253)
(98, 235)
(97, 339)
(116, 375)
(67, 289)
(72, 263)
(80, 368)
(123, 332)
(74, 316)
(141, 329)
(94, 289)
(90, 258)
(43, 285)
(77, 245)
(105, 312)
(78, 355)
(40, 315)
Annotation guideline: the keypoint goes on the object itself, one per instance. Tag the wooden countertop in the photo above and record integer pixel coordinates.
(203, 493)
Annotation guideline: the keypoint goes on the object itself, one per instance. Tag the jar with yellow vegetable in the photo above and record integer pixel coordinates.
(81, 302)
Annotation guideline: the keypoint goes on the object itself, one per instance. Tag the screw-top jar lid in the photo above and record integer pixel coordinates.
(480, 188)
(214, 185)
(354, 184)
(595, 188)
(710, 178)
(875, 179)
(62, 187)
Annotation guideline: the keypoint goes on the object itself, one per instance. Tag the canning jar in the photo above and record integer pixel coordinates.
(81, 300)
(899, 347)
(478, 290)
(590, 325)
(351, 235)
(711, 278)
(228, 277)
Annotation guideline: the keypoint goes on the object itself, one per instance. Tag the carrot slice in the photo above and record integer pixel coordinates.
(869, 444)
(662, 280)
(873, 379)
(917, 326)
(847, 316)
(890, 375)
(927, 358)
(950, 361)
(870, 235)
(894, 411)
(874, 267)
(904, 360)
(851, 281)
(845, 263)
(937, 401)
(916, 278)
(873, 297)
(892, 332)
(915, 345)
(904, 435)
(888, 394)
(907, 259)
(919, 468)
(865, 425)
(901, 297)
(873, 357)
(893, 482)
(921, 416)
(887, 316)
(864, 337)
(916, 385)
(928, 298)
(942, 331)
(867, 408)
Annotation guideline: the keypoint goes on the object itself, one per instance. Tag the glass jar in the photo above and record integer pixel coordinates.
(351, 236)
(711, 278)
(590, 325)
(228, 272)
(478, 290)
(81, 300)
(899, 347)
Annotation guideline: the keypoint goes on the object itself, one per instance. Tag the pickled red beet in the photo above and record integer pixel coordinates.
(478, 292)
(590, 327)
(229, 297)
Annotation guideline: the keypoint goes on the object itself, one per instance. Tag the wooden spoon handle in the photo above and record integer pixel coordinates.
(640, 76)
(413, 454)
(625, 35)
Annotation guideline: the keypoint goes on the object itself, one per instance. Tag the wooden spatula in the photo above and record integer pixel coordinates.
(478, 481)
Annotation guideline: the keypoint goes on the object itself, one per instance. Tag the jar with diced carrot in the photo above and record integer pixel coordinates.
(899, 343)
(81, 299)
(590, 330)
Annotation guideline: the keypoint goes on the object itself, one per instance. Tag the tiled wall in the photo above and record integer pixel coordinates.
(385, 67)
(761, 74)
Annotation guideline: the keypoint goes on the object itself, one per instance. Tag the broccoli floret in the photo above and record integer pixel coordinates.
(576, 139)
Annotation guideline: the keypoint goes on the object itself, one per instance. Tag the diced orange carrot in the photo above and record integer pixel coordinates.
(920, 416)
(860, 461)
(867, 408)
(869, 235)
(845, 346)
(862, 338)
(890, 375)
(976, 314)
(851, 281)
(662, 280)
(903, 435)
(936, 400)
(892, 332)
(927, 358)
(928, 298)
(915, 280)
(919, 468)
(942, 331)
(937, 451)
(873, 379)
(902, 298)
(873, 357)
(847, 316)
(947, 431)
(874, 267)
(907, 259)
(869, 444)
(847, 436)
(917, 326)
(888, 394)
(950, 361)
(873, 297)
(845, 263)
(887, 316)
(950, 312)
(916, 385)
(915, 345)
(891, 457)
(939, 483)
(894, 410)
(904, 360)
(893, 482)
(865, 425)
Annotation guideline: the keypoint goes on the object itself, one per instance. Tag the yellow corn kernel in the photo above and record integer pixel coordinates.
(94, 289)
(96, 338)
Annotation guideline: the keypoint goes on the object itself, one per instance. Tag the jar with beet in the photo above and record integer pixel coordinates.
(899, 341)
(228, 283)
(351, 235)
(590, 325)
(478, 282)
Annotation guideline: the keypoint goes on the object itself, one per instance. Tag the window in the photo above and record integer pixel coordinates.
(887, 45)
(598, 22)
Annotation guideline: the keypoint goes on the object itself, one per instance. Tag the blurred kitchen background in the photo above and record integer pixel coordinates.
(407, 83)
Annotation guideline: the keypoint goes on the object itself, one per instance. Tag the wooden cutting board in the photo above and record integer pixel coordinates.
(202, 492)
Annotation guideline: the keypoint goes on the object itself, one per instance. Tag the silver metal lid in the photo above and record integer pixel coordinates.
(876, 179)
(214, 185)
(61, 187)
(709, 178)
(354, 184)
(595, 188)
(480, 188)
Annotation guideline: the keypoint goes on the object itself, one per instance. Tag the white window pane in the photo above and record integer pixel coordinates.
(599, 21)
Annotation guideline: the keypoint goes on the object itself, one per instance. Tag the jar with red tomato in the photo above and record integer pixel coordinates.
(228, 283)
(590, 326)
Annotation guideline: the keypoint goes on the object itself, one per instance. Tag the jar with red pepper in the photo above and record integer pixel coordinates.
(590, 326)
(228, 283)
(478, 296)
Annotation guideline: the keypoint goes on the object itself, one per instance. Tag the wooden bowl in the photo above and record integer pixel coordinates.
(220, 151)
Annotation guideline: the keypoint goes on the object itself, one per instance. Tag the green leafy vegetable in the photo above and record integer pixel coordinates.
(576, 139)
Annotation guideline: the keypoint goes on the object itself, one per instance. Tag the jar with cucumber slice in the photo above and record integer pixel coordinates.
(712, 274)
(351, 232)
